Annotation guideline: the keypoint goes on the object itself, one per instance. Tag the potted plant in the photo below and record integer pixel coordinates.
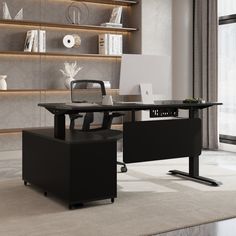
(70, 71)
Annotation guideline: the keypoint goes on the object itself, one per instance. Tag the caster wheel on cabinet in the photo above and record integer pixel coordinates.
(123, 169)
(71, 207)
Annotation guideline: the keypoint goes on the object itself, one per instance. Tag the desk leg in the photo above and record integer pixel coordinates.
(194, 173)
(194, 164)
(133, 116)
(59, 126)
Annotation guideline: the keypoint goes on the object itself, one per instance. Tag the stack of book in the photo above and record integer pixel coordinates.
(114, 25)
(110, 44)
(35, 41)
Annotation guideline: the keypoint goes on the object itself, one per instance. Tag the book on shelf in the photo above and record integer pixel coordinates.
(29, 41)
(35, 41)
(110, 44)
(42, 40)
(35, 47)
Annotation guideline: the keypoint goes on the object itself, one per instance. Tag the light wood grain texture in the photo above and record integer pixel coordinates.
(54, 54)
(111, 2)
(66, 26)
(82, 91)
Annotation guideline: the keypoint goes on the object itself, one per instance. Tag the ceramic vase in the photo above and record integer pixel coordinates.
(3, 83)
(68, 81)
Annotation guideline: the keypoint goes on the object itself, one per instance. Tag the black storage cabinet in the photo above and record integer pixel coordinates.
(79, 169)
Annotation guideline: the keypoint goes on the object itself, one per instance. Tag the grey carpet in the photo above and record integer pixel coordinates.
(149, 202)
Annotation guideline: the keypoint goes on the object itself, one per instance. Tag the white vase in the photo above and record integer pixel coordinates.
(3, 83)
(68, 81)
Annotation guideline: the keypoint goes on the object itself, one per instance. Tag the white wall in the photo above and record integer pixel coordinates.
(157, 34)
(167, 29)
(157, 27)
(182, 49)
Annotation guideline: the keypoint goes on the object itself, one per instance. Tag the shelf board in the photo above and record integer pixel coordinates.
(55, 54)
(111, 2)
(83, 91)
(32, 90)
(66, 26)
(18, 130)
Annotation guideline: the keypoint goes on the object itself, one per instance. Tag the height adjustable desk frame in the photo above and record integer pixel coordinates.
(159, 109)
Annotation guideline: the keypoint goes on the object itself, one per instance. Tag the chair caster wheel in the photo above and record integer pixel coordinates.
(112, 200)
(71, 207)
(45, 194)
(123, 169)
(25, 183)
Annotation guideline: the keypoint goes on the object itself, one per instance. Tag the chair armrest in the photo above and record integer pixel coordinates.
(73, 117)
(88, 119)
(116, 114)
(108, 118)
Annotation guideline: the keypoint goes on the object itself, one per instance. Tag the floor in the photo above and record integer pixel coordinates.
(221, 228)
(10, 167)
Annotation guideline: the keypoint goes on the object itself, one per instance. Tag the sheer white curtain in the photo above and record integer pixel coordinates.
(227, 70)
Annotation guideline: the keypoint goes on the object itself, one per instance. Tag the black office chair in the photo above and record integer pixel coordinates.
(105, 129)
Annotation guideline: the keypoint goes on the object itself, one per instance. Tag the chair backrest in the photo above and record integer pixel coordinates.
(79, 93)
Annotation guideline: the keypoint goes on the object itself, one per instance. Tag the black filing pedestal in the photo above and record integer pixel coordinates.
(79, 169)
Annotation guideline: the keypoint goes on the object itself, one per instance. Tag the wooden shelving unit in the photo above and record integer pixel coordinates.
(50, 26)
(82, 91)
(111, 2)
(55, 54)
(66, 26)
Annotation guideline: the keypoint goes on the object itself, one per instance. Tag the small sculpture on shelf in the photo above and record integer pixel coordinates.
(77, 13)
(7, 14)
(3, 83)
(115, 19)
(70, 71)
(70, 41)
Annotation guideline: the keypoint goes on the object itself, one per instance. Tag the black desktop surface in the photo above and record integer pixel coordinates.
(78, 136)
(64, 108)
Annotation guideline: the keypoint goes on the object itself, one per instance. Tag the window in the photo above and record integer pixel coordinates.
(227, 70)
(226, 7)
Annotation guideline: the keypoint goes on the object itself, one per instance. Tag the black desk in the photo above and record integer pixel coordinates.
(189, 130)
(61, 109)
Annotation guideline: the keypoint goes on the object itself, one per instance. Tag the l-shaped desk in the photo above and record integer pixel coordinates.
(181, 131)
(150, 140)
